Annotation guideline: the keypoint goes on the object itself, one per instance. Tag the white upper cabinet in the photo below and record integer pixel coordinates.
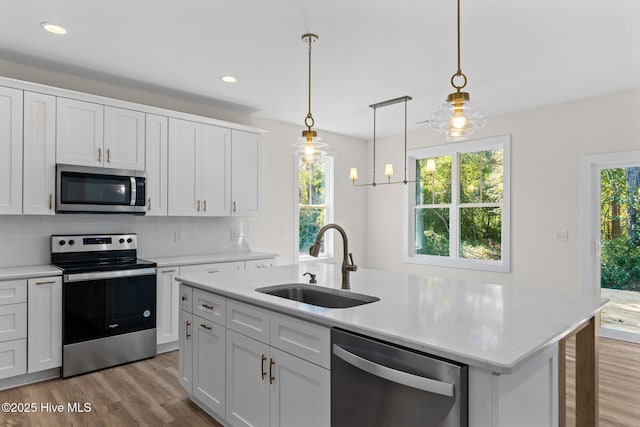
(216, 171)
(39, 154)
(124, 132)
(156, 164)
(198, 169)
(91, 134)
(10, 151)
(245, 173)
(185, 139)
(79, 133)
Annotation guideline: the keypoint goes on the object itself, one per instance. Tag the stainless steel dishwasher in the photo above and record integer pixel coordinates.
(374, 383)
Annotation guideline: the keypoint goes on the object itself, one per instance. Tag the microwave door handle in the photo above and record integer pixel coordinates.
(133, 191)
(393, 375)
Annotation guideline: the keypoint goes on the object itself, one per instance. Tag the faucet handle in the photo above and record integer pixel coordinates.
(351, 266)
(312, 277)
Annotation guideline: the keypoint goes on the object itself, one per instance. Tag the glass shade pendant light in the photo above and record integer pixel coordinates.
(459, 117)
(309, 145)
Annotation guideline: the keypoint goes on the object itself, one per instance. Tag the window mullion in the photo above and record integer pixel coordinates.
(454, 213)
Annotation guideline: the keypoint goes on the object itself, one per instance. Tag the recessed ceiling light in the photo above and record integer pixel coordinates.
(53, 28)
(228, 79)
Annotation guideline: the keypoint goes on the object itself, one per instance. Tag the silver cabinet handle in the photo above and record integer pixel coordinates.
(149, 202)
(393, 375)
(198, 205)
(108, 155)
(213, 271)
(100, 154)
(234, 206)
(205, 205)
(50, 201)
(50, 282)
(167, 271)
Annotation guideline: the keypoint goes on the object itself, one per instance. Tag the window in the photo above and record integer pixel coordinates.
(315, 203)
(458, 212)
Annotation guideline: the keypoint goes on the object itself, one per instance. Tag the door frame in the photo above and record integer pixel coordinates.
(590, 167)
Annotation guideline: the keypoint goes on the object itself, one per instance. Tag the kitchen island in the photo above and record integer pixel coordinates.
(510, 337)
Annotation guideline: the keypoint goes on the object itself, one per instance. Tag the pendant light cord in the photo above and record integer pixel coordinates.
(459, 72)
(308, 121)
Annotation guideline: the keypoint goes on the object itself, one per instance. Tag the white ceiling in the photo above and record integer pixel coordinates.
(516, 54)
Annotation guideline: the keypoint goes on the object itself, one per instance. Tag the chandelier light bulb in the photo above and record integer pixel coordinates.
(309, 150)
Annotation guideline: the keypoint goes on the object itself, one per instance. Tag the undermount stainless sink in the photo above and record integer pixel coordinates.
(322, 297)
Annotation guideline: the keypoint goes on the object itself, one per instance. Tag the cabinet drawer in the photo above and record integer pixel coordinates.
(13, 292)
(13, 322)
(303, 339)
(209, 306)
(213, 267)
(13, 358)
(186, 298)
(259, 263)
(248, 320)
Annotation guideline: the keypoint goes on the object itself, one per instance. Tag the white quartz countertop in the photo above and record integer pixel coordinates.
(173, 261)
(28, 272)
(494, 327)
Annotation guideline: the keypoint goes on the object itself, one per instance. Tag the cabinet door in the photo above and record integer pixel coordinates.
(209, 364)
(45, 323)
(185, 351)
(156, 164)
(39, 154)
(245, 173)
(167, 305)
(10, 151)
(247, 381)
(185, 140)
(80, 127)
(300, 393)
(123, 138)
(216, 171)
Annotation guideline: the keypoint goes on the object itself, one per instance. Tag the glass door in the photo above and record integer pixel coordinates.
(619, 251)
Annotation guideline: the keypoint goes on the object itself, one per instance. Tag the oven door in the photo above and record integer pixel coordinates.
(103, 304)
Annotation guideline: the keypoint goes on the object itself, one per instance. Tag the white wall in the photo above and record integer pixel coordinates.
(546, 145)
(275, 227)
(26, 239)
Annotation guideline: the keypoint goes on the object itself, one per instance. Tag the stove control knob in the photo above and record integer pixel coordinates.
(129, 240)
(62, 242)
(71, 242)
(121, 241)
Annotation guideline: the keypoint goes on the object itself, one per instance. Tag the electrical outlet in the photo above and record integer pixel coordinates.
(562, 236)
(177, 236)
(236, 234)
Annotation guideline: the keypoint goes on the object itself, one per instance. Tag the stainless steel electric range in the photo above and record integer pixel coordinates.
(109, 301)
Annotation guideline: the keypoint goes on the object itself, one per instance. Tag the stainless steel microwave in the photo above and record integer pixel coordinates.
(84, 189)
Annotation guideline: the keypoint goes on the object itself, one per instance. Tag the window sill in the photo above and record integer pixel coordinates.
(468, 264)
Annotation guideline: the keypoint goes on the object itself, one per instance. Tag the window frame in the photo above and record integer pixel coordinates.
(454, 260)
(329, 206)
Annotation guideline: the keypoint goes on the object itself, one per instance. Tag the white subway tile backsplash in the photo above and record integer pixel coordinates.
(26, 239)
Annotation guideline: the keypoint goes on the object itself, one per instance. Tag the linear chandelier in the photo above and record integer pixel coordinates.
(388, 168)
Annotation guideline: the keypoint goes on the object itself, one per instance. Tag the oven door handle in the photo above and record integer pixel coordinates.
(393, 375)
(116, 274)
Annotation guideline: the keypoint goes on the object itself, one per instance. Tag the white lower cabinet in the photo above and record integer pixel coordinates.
(167, 305)
(185, 351)
(261, 383)
(209, 340)
(45, 323)
(247, 381)
(300, 393)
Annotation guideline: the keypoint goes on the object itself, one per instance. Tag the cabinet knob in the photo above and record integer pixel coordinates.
(183, 298)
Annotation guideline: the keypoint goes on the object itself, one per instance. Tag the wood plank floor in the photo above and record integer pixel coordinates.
(147, 393)
(619, 383)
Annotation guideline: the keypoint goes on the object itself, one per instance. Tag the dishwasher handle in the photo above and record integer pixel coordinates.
(393, 375)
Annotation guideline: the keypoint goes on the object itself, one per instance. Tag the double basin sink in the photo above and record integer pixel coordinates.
(318, 296)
